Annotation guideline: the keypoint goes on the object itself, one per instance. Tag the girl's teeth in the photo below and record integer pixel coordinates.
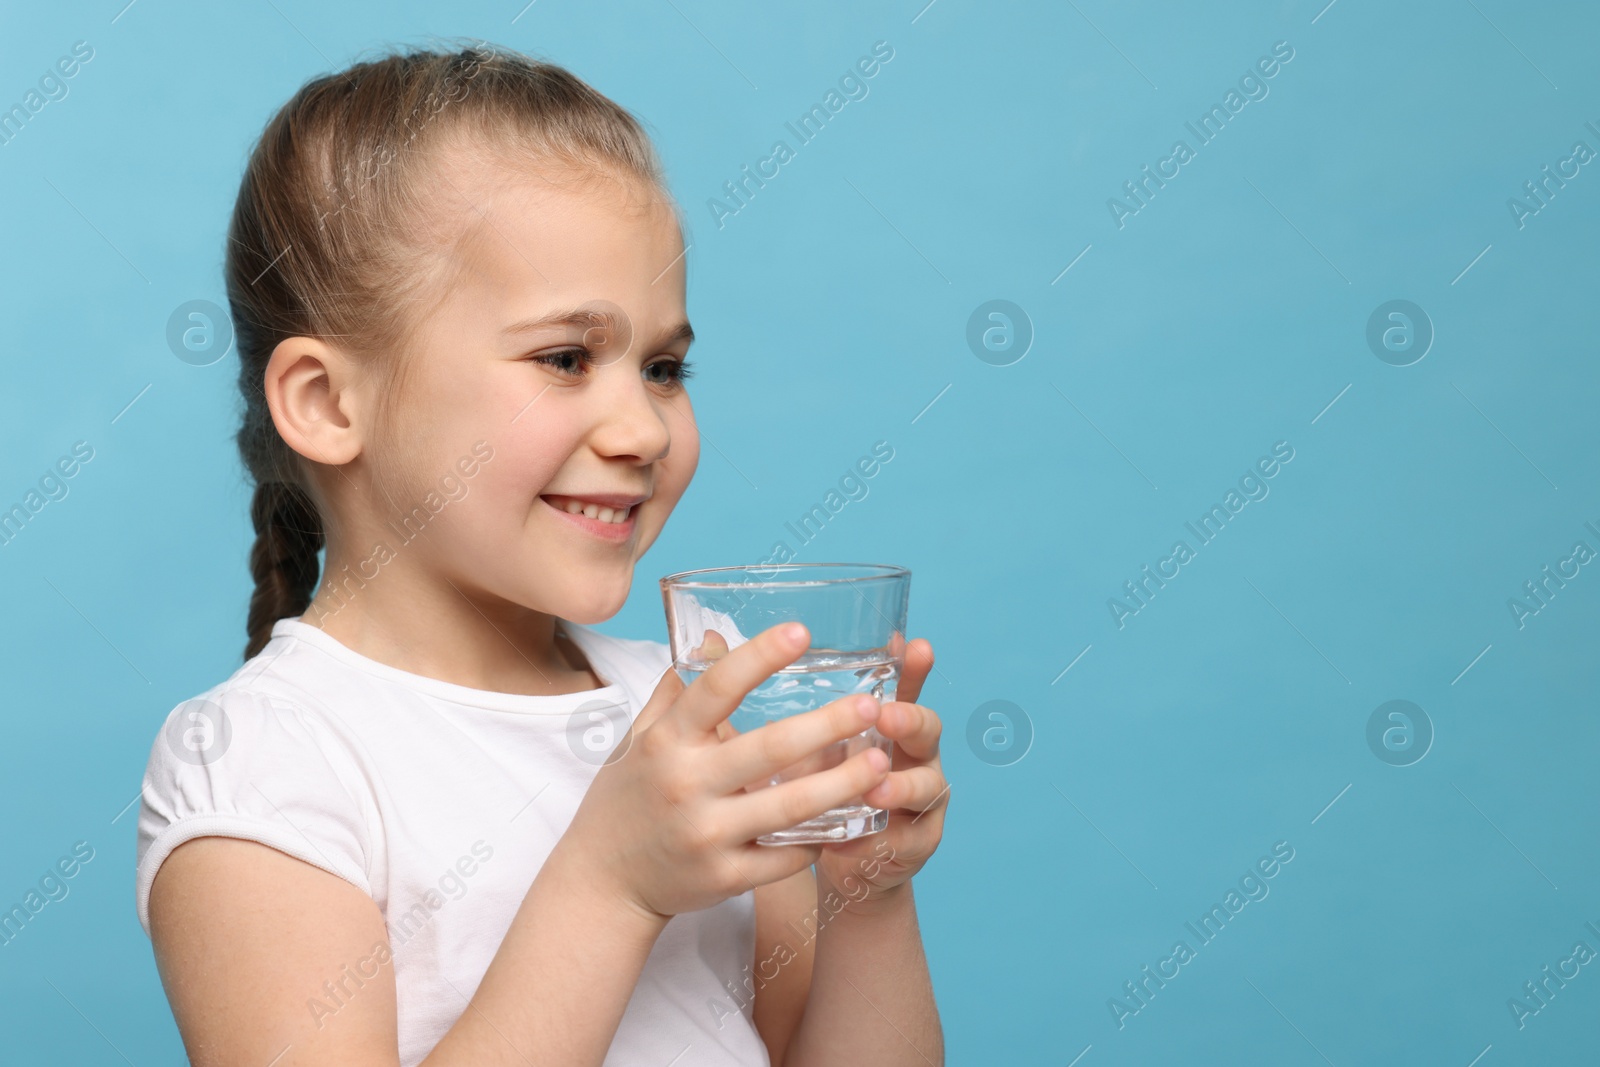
(595, 511)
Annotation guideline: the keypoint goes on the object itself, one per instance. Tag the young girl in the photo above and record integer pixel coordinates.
(457, 282)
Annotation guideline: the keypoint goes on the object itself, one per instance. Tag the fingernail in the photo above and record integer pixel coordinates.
(794, 632)
(876, 757)
(867, 708)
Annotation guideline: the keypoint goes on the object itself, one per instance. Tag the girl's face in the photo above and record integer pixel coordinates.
(547, 377)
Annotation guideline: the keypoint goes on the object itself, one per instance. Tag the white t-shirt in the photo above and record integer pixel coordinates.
(440, 802)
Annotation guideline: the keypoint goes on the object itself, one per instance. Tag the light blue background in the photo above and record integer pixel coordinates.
(832, 310)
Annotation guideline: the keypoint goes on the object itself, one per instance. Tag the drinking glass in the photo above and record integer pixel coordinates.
(856, 615)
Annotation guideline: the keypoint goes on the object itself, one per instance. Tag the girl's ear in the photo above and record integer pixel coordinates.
(313, 391)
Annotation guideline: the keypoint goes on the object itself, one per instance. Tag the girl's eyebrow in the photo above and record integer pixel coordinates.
(590, 317)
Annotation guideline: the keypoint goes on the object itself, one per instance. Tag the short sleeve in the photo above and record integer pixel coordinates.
(235, 763)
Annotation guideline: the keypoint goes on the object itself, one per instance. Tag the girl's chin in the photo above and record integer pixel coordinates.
(590, 597)
(589, 612)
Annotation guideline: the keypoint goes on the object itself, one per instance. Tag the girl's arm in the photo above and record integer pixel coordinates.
(558, 984)
(267, 959)
(786, 917)
(871, 997)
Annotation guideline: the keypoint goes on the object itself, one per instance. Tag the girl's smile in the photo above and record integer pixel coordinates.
(608, 516)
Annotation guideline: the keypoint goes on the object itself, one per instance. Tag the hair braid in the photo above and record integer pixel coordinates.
(283, 560)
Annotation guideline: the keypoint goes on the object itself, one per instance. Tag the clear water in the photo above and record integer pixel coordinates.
(813, 680)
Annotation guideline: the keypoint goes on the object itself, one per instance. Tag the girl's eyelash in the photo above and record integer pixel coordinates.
(680, 370)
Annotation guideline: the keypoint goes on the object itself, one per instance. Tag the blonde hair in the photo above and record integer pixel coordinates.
(326, 234)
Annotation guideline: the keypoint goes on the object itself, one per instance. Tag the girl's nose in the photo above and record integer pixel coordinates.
(633, 424)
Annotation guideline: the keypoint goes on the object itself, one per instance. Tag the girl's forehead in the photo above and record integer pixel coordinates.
(521, 207)
(525, 244)
(511, 225)
(480, 175)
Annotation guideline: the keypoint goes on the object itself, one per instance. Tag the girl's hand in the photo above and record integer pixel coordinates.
(667, 825)
(915, 794)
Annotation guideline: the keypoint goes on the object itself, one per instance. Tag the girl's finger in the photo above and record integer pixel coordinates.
(758, 865)
(918, 662)
(913, 728)
(779, 807)
(918, 789)
(714, 695)
(668, 686)
(769, 749)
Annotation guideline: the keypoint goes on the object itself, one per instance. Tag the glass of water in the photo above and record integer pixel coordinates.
(856, 614)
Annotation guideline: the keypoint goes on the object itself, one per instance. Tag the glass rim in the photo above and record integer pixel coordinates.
(885, 572)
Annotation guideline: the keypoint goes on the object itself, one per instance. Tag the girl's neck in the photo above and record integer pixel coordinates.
(444, 631)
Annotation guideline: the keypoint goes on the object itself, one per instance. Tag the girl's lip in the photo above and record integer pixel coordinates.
(615, 532)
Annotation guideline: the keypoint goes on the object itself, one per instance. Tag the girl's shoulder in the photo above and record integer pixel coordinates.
(284, 681)
(279, 709)
(257, 757)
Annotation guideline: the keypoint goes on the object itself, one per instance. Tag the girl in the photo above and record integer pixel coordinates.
(458, 282)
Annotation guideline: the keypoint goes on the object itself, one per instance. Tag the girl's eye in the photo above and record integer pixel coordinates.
(571, 362)
(677, 371)
(562, 360)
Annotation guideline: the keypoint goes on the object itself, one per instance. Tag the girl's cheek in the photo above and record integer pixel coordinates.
(540, 443)
(687, 461)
